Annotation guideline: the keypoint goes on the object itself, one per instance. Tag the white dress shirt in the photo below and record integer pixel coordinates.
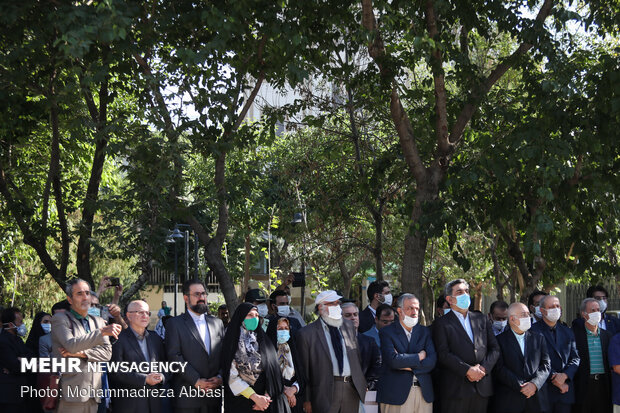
(203, 329)
(466, 323)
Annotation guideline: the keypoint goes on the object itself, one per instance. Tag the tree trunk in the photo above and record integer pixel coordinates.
(213, 254)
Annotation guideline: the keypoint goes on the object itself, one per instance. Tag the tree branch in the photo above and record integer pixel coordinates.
(441, 99)
(468, 110)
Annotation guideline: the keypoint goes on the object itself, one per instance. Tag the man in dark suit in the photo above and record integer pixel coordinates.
(409, 357)
(523, 366)
(138, 345)
(378, 292)
(563, 354)
(385, 317)
(608, 322)
(466, 353)
(330, 360)
(279, 303)
(196, 338)
(592, 381)
(370, 357)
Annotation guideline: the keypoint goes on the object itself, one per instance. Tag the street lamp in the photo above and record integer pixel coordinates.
(174, 235)
(172, 238)
(298, 218)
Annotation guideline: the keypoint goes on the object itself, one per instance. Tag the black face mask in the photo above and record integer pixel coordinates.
(199, 308)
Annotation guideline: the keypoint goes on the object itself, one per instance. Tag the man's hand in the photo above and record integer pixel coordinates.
(558, 379)
(261, 403)
(201, 384)
(112, 330)
(528, 389)
(104, 284)
(154, 378)
(114, 310)
(422, 355)
(564, 388)
(290, 395)
(475, 373)
(307, 407)
(213, 383)
(65, 353)
(118, 290)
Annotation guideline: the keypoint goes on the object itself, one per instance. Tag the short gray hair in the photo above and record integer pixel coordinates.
(544, 298)
(403, 297)
(71, 283)
(584, 304)
(348, 304)
(449, 285)
(512, 309)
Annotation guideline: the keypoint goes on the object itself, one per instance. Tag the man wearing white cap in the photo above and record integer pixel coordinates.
(330, 360)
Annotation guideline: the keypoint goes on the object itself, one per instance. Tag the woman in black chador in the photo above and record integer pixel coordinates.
(250, 366)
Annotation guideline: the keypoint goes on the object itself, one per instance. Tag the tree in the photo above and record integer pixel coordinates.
(62, 74)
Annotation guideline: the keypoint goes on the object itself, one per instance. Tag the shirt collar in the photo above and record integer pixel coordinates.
(461, 316)
(407, 333)
(78, 316)
(589, 333)
(138, 336)
(372, 310)
(196, 317)
(519, 337)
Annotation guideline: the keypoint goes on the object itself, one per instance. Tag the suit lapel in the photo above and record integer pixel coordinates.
(321, 334)
(459, 327)
(549, 336)
(133, 342)
(516, 348)
(189, 322)
(151, 347)
(211, 327)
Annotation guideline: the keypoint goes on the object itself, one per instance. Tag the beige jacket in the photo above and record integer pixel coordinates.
(69, 333)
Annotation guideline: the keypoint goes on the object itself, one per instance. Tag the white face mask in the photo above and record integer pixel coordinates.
(284, 310)
(594, 318)
(334, 312)
(410, 322)
(262, 309)
(603, 305)
(553, 314)
(525, 323)
(387, 299)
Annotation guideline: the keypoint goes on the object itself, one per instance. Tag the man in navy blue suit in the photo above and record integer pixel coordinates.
(523, 366)
(408, 357)
(384, 317)
(562, 350)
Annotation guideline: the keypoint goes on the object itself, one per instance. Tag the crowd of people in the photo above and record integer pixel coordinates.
(515, 358)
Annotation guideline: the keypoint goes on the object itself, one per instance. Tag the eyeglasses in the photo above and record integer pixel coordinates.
(198, 295)
(141, 313)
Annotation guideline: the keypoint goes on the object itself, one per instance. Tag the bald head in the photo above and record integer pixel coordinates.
(138, 315)
(519, 317)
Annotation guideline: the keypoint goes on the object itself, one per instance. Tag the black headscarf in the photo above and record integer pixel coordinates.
(36, 332)
(271, 369)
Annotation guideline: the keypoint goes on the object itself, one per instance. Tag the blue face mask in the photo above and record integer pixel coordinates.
(283, 336)
(446, 311)
(463, 301)
(94, 311)
(47, 327)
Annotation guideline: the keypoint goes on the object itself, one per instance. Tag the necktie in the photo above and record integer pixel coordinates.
(334, 333)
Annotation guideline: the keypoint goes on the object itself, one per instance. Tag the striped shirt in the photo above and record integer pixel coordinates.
(596, 353)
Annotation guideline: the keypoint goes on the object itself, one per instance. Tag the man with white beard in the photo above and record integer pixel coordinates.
(330, 361)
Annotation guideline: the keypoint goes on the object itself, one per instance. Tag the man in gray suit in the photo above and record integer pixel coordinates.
(330, 360)
(196, 338)
(75, 333)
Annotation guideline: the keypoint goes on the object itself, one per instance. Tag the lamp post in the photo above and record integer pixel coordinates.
(173, 237)
(298, 218)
